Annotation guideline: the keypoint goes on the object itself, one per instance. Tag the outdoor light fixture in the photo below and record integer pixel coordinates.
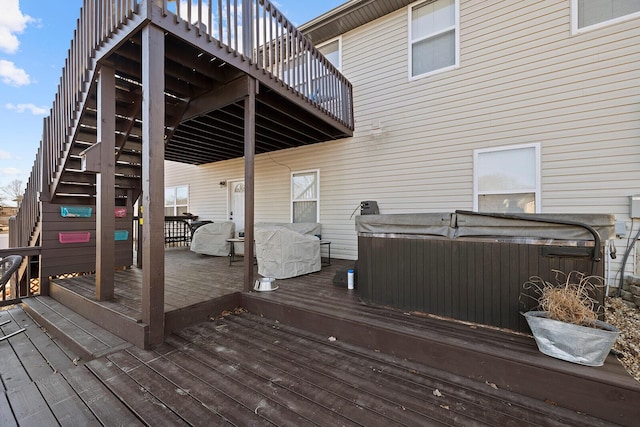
(376, 128)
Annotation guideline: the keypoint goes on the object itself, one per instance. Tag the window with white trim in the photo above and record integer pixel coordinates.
(332, 50)
(305, 193)
(587, 14)
(433, 36)
(312, 78)
(176, 200)
(507, 179)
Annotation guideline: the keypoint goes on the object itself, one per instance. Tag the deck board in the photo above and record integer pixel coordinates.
(64, 402)
(106, 406)
(6, 416)
(348, 396)
(50, 351)
(252, 392)
(29, 407)
(142, 403)
(280, 385)
(12, 372)
(188, 373)
(172, 395)
(69, 323)
(416, 400)
(415, 383)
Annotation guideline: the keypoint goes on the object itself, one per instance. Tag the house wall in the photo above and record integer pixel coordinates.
(523, 78)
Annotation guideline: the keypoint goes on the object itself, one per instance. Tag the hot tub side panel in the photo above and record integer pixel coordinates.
(467, 279)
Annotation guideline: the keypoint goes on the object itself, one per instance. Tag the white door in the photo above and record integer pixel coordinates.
(236, 204)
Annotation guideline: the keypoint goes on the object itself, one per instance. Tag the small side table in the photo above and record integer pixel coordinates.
(232, 248)
(326, 243)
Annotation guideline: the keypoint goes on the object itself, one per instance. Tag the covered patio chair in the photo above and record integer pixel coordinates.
(283, 253)
(211, 239)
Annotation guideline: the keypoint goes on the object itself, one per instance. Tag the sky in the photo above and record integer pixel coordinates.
(34, 38)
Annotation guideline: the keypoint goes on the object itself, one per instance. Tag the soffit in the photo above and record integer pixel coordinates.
(348, 16)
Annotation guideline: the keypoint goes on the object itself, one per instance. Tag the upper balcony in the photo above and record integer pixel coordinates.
(210, 46)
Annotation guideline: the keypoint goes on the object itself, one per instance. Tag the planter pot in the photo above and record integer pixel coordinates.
(574, 343)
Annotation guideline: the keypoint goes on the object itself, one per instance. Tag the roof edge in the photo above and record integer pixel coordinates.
(348, 16)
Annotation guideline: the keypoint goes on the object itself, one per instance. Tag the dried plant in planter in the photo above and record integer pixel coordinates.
(569, 299)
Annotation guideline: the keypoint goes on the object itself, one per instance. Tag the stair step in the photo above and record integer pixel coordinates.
(83, 337)
(127, 327)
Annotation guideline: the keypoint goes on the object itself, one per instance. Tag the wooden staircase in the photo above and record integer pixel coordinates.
(207, 70)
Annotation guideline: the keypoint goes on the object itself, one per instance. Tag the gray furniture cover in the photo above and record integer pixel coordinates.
(313, 228)
(211, 239)
(283, 253)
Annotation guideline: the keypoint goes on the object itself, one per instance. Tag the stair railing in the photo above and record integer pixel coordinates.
(22, 226)
(99, 19)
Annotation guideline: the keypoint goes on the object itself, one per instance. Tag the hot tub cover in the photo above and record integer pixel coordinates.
(471, 225)
(435, 224)
(461, 224)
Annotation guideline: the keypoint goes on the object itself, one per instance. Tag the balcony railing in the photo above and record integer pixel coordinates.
(257, 31)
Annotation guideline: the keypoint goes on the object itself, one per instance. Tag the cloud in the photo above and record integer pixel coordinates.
(12, 22)
(12, 75)
(10, 171)
(5, 155)
(33, 109)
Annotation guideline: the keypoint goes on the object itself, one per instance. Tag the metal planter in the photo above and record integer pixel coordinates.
(574, 343)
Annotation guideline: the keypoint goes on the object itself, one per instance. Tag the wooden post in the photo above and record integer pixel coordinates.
(249, 154)
(105, 185)
(45, 197)
(153, 182)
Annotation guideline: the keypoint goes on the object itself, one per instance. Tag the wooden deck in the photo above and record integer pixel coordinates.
(309, 353)
(190, 279)
(195, 286)
(243, 369)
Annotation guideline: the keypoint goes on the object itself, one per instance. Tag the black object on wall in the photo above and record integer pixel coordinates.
(369, 207)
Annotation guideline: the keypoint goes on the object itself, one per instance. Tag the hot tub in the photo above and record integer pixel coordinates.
(471, 266)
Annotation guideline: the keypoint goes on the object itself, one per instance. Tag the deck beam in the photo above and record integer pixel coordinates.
(218, 98)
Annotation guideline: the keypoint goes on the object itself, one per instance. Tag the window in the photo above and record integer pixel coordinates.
(176, 200)
(333, 52)
(507, 179)
(433, 37)
(587, 14)
(304, 196)
(324, 90)
(311, 78)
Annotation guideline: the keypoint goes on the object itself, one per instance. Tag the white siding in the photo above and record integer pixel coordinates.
(522, 78)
